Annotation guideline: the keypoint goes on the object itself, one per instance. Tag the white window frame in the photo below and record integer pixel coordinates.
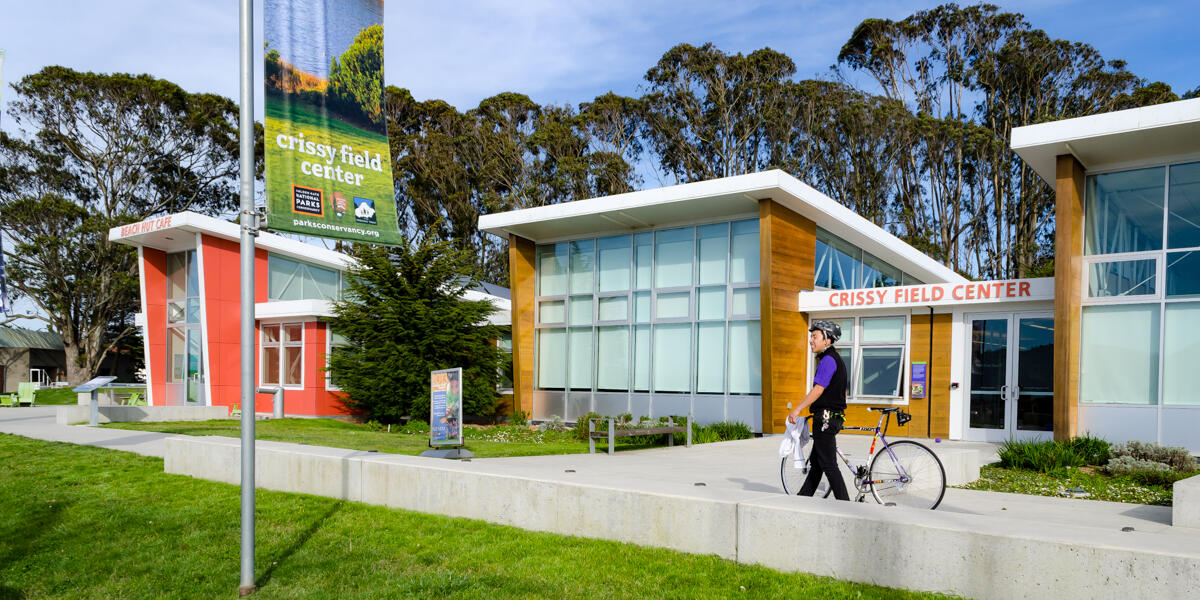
(329, 386)
(281, 344)
(855, 349)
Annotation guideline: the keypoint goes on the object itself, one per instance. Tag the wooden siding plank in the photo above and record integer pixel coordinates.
(521, 257)
(1068, 290)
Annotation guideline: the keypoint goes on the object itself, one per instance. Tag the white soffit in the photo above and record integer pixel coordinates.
(713, 199)
(169, 234)
(1124, 136)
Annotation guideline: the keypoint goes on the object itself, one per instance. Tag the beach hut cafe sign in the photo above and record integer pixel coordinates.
(939, 294)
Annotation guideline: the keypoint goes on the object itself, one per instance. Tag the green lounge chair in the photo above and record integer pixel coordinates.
(25, 393)
(135, 399)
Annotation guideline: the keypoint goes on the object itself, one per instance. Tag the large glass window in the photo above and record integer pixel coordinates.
(873, 349)
(293, 280)
(840, 265)
(1118, 354)
(1124, 212)
(1183, 207)
(668, 311)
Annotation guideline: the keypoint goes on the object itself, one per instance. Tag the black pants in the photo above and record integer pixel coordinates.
(823, 460)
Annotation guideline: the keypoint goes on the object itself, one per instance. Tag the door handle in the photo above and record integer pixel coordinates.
(1016, 392)
(1004, 392)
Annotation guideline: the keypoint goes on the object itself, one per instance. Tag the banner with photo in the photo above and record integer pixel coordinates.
(446, 407)
(328, 164)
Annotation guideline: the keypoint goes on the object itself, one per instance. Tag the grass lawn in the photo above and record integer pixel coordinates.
(487, 442)
(1096, 484)
(84, 522)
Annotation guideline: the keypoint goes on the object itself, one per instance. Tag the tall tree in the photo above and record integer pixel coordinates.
(98, 151)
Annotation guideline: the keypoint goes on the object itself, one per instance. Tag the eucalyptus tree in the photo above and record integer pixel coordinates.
(96, 151)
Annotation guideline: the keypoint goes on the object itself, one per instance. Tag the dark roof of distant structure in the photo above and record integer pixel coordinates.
(493, 289)
(16, 337)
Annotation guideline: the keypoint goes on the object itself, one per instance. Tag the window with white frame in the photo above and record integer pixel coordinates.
(873, 349)
(334, 340)
(1142, 269)
(282, 354)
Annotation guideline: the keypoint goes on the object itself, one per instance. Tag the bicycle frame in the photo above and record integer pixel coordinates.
(879, 434)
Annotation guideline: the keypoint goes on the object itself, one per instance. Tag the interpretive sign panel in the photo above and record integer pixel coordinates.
(445, 413)
(94, 384)
(916, 380)
(329, 169)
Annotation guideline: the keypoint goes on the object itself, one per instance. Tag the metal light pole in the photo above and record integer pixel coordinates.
(249, 223)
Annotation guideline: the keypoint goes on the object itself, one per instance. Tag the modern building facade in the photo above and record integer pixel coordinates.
(696, 299)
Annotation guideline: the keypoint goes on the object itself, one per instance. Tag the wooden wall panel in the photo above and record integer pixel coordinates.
(787, 250)
(521, 257)
(1068, 289)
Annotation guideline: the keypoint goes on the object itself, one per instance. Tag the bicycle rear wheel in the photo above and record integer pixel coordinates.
(793, 474)
(908, 474)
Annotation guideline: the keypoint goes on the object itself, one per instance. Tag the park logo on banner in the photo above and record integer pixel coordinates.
(328, 161)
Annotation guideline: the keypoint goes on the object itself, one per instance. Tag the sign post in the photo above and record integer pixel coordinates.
(249, 226)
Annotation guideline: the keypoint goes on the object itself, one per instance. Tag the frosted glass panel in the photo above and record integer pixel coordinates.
(1181, 346)
(672, 353)
(552, 358)
(1118, 354)
(616, 258)
(581, 310)
(582, 266)
(641, 307)
(886, 329)
(643, 251)
(714, 247)
(673, 306)
(1124, 211)
(552, 311)
(745, 358)
(615, 308)
(743, 252)
(580, 357)
(712, 303)
(710, 358)
(673, 253)
(745, 302)
(552, 270)
(612, 359)
(641, 358)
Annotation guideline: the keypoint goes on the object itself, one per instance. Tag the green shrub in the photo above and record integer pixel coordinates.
(732, 430)
(1175, 458)
(581, 425)
(1093, 449)
(704, 435)
(1042, 456)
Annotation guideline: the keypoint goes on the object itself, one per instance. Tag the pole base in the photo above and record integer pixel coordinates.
(246, 590)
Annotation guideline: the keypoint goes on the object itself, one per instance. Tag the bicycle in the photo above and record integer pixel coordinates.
(904, 473)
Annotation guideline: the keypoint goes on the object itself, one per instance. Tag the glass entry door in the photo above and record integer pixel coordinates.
(1010, 388)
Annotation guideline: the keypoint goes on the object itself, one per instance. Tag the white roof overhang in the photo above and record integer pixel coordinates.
(711, 200)
(1116, 138)
(170, 233)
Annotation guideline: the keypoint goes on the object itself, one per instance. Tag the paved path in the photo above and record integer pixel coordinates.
(742, 466)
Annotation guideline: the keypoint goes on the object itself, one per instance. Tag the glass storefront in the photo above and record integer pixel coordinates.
(185, 357)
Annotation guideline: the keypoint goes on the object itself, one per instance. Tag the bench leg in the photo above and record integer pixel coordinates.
(612, 437)
(591, 440)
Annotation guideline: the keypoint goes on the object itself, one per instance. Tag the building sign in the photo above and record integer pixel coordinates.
(326, 136)
(445, 412)
(144, 227)
(938, 294)
(916, 380)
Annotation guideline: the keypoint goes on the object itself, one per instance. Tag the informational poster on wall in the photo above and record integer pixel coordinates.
(917, 380)
(445, 414)
(328, 165)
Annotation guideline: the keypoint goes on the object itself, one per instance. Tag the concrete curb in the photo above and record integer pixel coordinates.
(1185, 504)
(971, 555)
(70, 414)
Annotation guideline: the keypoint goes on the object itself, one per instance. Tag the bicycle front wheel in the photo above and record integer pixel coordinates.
(793, 474)
(906, 473)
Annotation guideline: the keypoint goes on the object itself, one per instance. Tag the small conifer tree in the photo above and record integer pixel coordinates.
(402, 315)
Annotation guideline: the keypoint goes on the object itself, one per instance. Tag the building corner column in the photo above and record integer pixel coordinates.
(1068, 291)
(521, 257)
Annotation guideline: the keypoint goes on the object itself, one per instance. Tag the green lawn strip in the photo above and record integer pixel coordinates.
(1097, 485)
(484, 443)
(83, 522)
(65, 396)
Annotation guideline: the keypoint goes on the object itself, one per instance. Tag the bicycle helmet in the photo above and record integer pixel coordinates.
(832, 331)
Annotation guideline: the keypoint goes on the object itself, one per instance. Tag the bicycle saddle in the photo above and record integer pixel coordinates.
(884, 409)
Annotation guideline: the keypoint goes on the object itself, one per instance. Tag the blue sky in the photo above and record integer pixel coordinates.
(557, 52)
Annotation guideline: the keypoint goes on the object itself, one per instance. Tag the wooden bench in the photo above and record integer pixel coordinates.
(613, 433)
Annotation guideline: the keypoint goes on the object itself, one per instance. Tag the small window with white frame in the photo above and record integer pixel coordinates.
(282, 354)
(873, 349)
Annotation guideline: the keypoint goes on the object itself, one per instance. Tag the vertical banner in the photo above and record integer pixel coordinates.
(328, 164)
(445, 411)
(916, 380)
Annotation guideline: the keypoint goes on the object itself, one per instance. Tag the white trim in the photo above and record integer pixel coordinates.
(204, 339)
(922, 296)
(146, 328)
(329, 387)
(292, 309)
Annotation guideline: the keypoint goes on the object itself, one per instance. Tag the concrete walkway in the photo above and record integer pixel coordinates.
(38, 422)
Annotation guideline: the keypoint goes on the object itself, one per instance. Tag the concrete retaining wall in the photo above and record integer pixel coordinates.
(69, 415)
(970, 555)
(1185, 503)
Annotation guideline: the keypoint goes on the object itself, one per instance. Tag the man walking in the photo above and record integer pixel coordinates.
(827, 400)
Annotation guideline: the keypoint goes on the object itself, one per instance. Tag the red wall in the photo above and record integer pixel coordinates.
(154, 309)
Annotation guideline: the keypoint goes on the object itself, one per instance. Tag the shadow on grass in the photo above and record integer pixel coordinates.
(299, 543)
(21, 539)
